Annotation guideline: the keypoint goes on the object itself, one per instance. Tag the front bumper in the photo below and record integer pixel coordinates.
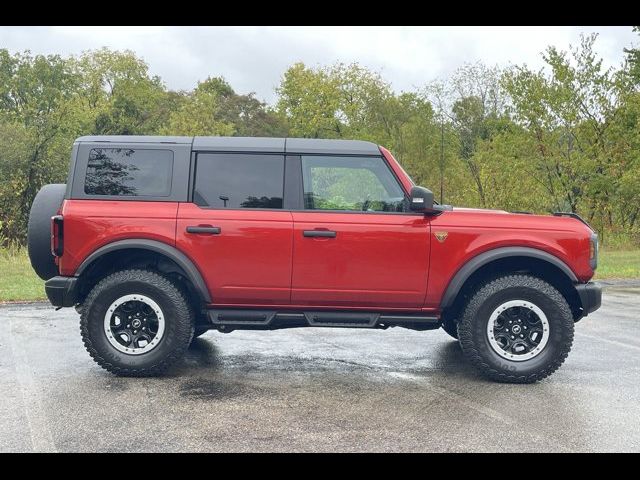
(62, 291)
(590, 296)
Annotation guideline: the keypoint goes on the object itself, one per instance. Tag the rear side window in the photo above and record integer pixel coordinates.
(129, 172)
(239, 180)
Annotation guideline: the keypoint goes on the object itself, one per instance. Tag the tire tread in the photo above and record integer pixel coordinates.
(465, 325)
(176, 295)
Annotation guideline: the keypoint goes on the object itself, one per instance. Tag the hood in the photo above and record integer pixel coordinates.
(566, 218)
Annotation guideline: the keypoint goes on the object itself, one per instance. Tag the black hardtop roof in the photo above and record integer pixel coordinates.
(249, 144)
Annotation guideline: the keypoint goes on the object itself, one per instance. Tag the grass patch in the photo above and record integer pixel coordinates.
(18, 281)
(618, 264)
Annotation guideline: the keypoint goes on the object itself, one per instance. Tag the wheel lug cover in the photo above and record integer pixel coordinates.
(123, 329)
(510, 338)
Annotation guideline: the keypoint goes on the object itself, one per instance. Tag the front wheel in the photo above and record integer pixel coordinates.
(516, 329)
(136, 323)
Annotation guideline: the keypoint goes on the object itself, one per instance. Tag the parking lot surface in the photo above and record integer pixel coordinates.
(313, 389)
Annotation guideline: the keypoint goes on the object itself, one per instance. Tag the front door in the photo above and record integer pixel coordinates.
(354, 243)
(236, 230)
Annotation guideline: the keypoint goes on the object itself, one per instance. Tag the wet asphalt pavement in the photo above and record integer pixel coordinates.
(313, 389)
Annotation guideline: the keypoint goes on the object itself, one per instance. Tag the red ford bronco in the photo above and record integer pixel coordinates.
(156, 240)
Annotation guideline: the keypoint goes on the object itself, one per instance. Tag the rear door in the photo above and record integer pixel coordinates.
(355, 243)
(235, 229)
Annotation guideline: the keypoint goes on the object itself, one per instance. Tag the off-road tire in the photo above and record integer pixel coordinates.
(44, 206)
(178, 315)
(451, 327)
(472, 329)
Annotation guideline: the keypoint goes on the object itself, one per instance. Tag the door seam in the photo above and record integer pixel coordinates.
(293, 251)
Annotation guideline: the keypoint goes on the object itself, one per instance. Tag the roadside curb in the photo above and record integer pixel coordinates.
(26, 303)
(619, 282)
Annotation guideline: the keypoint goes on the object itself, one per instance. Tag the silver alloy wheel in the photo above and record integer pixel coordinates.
(518, 330)
(134, 324)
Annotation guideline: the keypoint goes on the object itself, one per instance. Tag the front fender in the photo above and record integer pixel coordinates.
(477, 262)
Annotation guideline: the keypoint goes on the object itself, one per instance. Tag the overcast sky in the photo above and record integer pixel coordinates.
(253, 59)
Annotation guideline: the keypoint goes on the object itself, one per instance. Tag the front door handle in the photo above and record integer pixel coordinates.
(207, 229)
(319, 233)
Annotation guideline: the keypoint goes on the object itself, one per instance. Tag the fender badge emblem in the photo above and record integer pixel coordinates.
(441, 236)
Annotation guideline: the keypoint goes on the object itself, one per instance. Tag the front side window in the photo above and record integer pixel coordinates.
(129, 172)
(350, 183)
(239, 180)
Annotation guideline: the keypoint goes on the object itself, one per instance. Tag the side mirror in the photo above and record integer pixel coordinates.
(421, 200)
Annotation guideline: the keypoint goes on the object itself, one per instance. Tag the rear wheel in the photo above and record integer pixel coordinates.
(516, 329)
(136, 323)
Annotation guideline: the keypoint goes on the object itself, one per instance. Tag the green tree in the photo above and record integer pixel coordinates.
(473, 104)
(35, 99)
(214, 108)
(565, 137)
(567, 114)
(200, 113)
(119, 94)
(633, 60)
(309, 100)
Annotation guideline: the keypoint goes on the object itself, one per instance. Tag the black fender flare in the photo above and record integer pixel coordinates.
(184, 262)
(469, 268)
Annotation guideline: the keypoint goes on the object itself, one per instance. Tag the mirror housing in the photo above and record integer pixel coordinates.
(422, 200)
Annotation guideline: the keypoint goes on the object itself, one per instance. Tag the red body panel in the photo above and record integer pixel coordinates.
(90, 224)
(379, 260)
(249, 262)
(399, 172)
(472, 232)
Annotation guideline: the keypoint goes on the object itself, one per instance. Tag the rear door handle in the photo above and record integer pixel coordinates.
(208, 229)
(319, 233)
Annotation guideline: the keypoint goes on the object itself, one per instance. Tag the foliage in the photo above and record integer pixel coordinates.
(18, 281)
(565, 137)
(618, 264)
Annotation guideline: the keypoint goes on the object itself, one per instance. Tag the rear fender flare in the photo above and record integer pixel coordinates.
(184, 262)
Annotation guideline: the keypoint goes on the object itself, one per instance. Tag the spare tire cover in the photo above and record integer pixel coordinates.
(44, 206)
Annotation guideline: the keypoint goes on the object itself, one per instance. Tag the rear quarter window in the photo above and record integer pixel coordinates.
(129, 172)
(238, 180)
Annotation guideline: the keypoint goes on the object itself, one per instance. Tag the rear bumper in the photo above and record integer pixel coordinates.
(62, 291)
(590, 296)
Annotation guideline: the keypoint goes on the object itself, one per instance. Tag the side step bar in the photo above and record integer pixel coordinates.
(342, 319)
(241, 317)
(236, 319)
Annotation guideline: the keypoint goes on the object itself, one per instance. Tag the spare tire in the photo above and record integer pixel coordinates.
(44, 206)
